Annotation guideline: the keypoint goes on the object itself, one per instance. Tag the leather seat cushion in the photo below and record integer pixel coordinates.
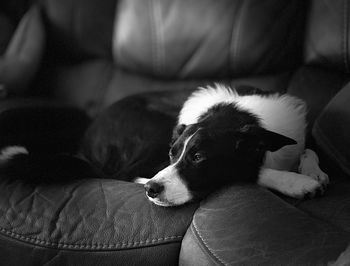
(95, 84)
(92, 216)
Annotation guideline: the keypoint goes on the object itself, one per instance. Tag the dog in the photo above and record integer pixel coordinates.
(220, 138)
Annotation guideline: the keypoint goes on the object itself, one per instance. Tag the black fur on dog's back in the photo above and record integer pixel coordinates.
(130, 139)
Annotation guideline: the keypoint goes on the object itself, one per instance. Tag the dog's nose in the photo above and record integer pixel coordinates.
(153, 189)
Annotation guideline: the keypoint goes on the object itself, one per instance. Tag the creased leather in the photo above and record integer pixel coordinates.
(90, 215)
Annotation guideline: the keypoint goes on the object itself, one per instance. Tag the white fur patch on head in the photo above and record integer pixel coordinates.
(9, 152)
(202, 100)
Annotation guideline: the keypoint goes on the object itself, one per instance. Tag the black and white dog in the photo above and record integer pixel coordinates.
(220, 138)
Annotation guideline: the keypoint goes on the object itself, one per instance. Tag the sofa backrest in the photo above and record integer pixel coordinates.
(177, 39)
(79, 29)
(327, 42)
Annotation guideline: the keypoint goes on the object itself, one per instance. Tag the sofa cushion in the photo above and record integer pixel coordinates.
(316, 86)
(88, 220)
(327, 34)
(211, 39)
(93, 85)
(6, 28)
(23, 55)
(248, 225)
(79, 29)
(332, 129)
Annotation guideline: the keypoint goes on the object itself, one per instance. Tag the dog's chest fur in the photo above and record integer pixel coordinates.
(283, 114)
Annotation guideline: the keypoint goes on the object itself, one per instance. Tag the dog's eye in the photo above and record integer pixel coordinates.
(198, 157)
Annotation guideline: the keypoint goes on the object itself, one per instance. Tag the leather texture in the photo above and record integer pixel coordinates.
(327, 34)
(316, 86)
(334, 140)
(96, 84)
(217, 38)
(92, 216)
(79, 29)
(224, 232)
(23, 55)
(6, 28)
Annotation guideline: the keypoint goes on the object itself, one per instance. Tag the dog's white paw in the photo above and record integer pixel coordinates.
(300, 186)
(309, 166)
(141, 180)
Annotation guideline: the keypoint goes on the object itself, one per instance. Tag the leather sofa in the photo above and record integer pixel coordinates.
(89, 54)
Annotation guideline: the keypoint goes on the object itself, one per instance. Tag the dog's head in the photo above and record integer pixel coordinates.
(224, 147)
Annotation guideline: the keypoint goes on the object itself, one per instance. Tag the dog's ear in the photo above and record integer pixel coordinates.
(270, 141)
(178, 130)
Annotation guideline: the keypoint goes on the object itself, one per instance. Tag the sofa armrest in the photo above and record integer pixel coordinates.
(23, 55)
(88, 222)
(248, 225)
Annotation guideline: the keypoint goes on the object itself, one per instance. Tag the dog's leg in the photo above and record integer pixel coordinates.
(289, 183)
(309, 166)
(141, 180)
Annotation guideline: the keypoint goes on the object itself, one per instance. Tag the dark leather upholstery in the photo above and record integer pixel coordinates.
(90, 53)
(90, 215)
(327, 35)
(6, 28)
(23, 56)
(249, 226)
(176, 42)
(217, 39)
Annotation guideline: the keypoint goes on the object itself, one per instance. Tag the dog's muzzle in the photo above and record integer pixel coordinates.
(166, 188)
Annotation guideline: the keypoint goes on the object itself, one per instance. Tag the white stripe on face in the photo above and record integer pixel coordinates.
(175, 190)
(184, 148)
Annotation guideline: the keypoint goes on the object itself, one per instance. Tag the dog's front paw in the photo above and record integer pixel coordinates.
(140, 180)
(300, 186)
(309, 167)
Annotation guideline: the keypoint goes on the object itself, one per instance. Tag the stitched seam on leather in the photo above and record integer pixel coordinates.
(155, 35)
(210, 251)
(234, 37)
(230, 59)
(159, 37)
(345, 36)
(237, 45)
(95, 246)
